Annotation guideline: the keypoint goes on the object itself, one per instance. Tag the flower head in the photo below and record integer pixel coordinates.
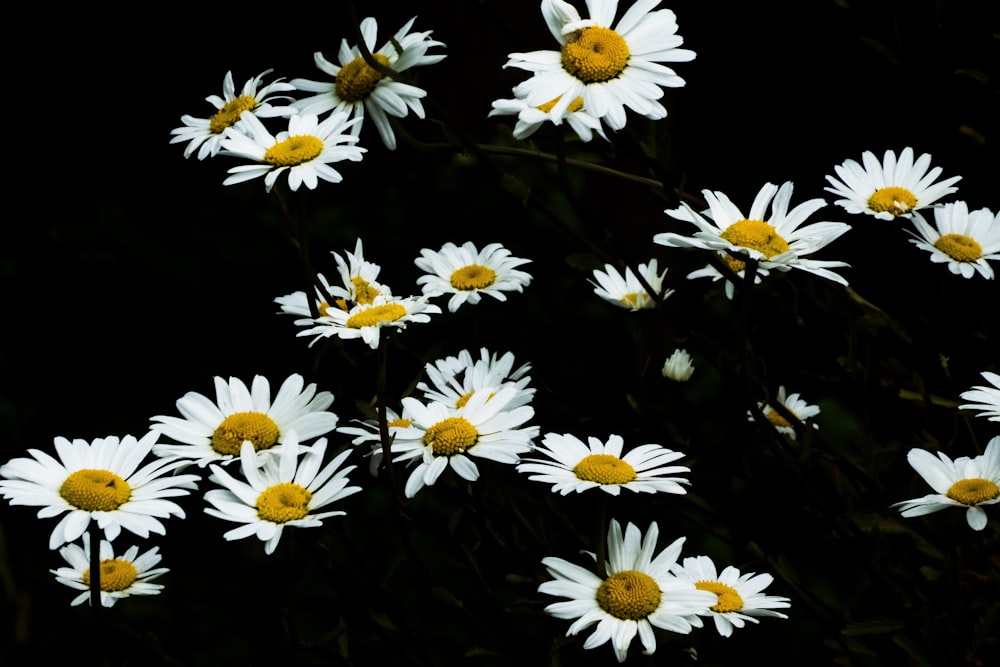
(467, 273)
(574, 466)
(678, 366)
(281, 491)
(628, 292)
(963, 240)
(366, 320)
(100, 481)
(891, 188)
(983, 398)
(639, 593)
(453, 380)
(121, 576)
(531, 118)
(794, 403)
(965, 482)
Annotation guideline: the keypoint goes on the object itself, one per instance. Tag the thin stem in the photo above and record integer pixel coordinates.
(602, 536)
(381, 375)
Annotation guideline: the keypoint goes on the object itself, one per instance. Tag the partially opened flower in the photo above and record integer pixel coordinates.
(467, 273)
(638, 593)
(98, 481)
(120, 577)
(970, 483)
(678, 366)
(628, 291)
(740, 597)
(531, 118)
(963, 240)
(794, 403)
(891, 188)
(986, 399)
(366, 321)
(572, 465)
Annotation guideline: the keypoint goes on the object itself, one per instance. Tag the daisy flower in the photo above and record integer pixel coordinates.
(305, 150)
(366, 321)
(890, 189)
(279, 491)
(628, 292)
(100, 481)
(531, 118)
(357, 87)
(777, 241)
(357, 285)
(739, 597)
(122, 576)
(575, 466)
(205, 134)
(964, 482)
(453, 380)
(367, 432)
(639, 593)
(609, 68)
(678, 366)
(441, 437)
(467, 273)
(215, 431)
(983, 398)
(962, 239)
(795, 405)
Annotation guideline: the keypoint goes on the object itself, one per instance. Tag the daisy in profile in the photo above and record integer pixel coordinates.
(358, 88)
(777, 241)
(531, 118)
(205, 134)
(609, 68)
(467, 273)
(795, 405)
(574, 466)
(453, 380)
(100, 481)
(121, 576)
(965, 482)
(638, 594)
(986, 399)
(280, 491)
(214, 431)
(678, 366)
(627, 291)
(366, 321)
(739, 597)
(441, 437)
(305, 150)
(892, 188)
(963, 240)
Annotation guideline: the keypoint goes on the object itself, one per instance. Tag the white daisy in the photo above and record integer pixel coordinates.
(891, 188)
(367, 432)
(205, 134)
(575, 466)
(215, 431)
(795, 405)
(441, 437)
(305, 150)
(964, 482)
(102, 481)
(531, 118)
(454, 379)
(121, 576)
(740, 597)
(366, 321)
(983, 398)
(467, 273)
(280, 491)
(777, 241)
(638, 593)
(358, 87)
(610, 69)
(628, 292)
(678, 366)
(962, 239)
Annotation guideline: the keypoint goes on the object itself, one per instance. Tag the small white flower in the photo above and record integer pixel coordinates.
(453, 380)
(627, 291)
(122, 576)
(798, 407)
(963, 240)
(467, 273)
(366, 321)
(678, 366)
(531, 118)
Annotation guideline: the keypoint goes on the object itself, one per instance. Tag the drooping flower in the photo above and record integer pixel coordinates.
(794, 403)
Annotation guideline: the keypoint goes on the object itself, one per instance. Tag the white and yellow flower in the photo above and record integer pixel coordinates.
(986, 399)
(678, 366)
(794, 403)
(964, 240)
(454, 379)
(367, 320)
(467, 273)
(121, 576)
(628, 291)
(531, 118)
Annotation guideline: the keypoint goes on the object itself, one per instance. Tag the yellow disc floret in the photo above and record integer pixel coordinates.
(629, 595)
(256, 427)
(451, 436)
(728, 598)
(95, 490)
(473, 277)
(294, 151)
(973, 490)
(595, 55)
(230, 113)
(775, 418)
(895, 200)
(116, 574)
(357, 79)
(960, 248)
(364, 292)
(374, 316)
(604, 469)
(283, 502)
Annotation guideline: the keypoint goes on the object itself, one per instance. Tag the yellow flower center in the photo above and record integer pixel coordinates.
(575, 105)
(364, 293)
(755, 234)
(294, 151)
(473, 277)
(973, 491)
(604, 469)
(635, 299)
(463, 399)
(629, 595)
(895, 200)
(372, 317)
(238, 427)
(95, 490)
(116, 575)
(728, 598)
(960, 248)
(283, 502)
(451, 436)
(775, 418)
(595, 55)
(357, 79)
(230, 112)
(399, 423)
